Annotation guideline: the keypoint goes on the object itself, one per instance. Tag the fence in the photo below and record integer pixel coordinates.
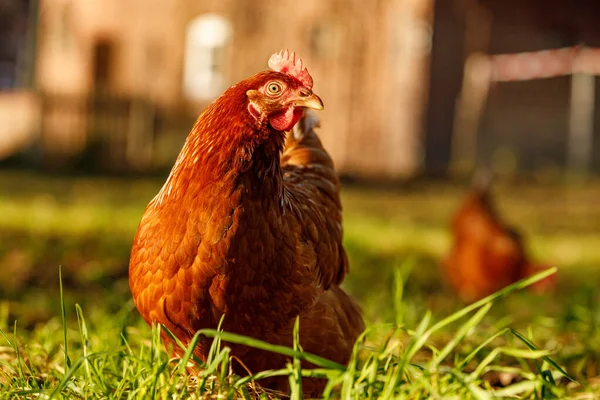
(482, 71)
(98, 131)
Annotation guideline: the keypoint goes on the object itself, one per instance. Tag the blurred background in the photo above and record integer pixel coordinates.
(97, 97)
(410, 86)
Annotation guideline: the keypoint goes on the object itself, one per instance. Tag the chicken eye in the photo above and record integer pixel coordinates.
(274, 88)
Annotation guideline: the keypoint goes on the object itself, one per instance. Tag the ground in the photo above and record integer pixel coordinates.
(85, 225)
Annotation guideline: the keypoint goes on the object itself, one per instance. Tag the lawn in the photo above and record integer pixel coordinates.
(417, 346)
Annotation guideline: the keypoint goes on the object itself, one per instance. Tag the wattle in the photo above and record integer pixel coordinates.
(285, 120)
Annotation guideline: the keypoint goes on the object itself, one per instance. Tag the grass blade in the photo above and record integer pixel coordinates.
(459, 336)
(295, 377)
(63, 315)
(262, 345)
(545, 358)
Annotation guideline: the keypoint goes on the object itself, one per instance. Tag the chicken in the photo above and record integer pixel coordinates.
(249, 225)
(487, 255)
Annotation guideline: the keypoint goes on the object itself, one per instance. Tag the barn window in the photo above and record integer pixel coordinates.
(206, 41)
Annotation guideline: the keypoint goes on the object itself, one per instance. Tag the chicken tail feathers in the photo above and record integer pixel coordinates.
(312, 193)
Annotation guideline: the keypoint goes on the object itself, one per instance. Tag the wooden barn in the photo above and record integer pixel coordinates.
(117, 83)
(108, 71)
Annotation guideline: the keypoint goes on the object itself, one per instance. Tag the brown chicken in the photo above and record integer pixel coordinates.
(487, 255)
(249, 225)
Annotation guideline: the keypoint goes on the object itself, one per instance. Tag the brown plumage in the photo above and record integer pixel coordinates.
(243, 231)
(487, 254)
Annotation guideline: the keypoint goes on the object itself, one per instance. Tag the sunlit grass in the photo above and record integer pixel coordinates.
(114, 357)
(86, 225)
(561, 223)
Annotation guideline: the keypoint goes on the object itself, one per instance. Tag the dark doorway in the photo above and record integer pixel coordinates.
(104, 65)
(14, 23)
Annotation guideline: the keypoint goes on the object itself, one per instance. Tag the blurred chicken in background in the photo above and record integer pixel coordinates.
(486, 253)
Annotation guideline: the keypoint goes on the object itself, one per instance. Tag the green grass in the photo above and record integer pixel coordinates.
(87, 341)
(133, 365)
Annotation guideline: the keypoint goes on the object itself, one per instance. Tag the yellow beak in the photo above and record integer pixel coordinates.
(313, 101)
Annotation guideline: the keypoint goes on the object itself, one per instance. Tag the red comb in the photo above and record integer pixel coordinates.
(287, 63)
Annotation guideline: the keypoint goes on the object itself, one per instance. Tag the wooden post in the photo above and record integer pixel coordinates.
(470, 109)
(475, 88)
(581, 123)
(140, 134)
